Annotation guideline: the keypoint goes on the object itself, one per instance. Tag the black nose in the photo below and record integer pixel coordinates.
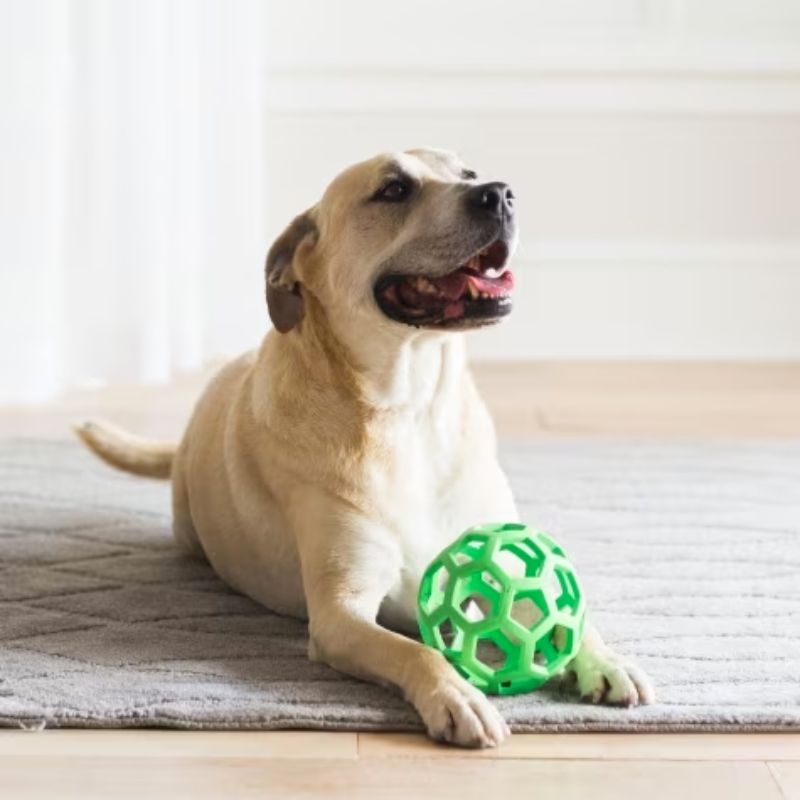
(494, 198)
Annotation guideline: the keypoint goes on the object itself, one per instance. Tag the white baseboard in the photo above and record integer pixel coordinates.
(648, 301)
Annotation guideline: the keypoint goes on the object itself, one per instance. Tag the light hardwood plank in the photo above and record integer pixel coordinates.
(655, 376)
(178, 744)
(381, 779)
(663, 399)
(787, 776)
(689, 414)
(526, 398)
(598, 746)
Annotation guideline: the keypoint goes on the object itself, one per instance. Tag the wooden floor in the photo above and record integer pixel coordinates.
(544, 400)
(177, 765)
(541, 399)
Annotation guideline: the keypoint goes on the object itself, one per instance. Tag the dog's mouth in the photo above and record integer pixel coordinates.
(476, 293)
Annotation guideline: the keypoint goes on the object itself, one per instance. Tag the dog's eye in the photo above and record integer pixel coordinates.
(468, 174)
(395, 191)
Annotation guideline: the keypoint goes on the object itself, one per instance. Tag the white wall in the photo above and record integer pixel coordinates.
(654, 146)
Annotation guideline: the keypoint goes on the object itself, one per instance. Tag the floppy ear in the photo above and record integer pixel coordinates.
(284, 296)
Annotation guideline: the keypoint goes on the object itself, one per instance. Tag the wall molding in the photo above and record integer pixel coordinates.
(684, 91)
(656, 253)
(649, 300)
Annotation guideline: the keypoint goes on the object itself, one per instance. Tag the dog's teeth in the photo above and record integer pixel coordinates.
(473, 292)
(423, 285)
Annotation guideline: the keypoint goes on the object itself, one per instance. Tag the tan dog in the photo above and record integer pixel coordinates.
(321, 474)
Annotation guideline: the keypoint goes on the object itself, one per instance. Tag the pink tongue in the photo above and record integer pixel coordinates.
(493, 286)
(452, 285)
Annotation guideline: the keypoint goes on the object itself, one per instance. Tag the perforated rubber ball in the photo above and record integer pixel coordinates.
(504, 605)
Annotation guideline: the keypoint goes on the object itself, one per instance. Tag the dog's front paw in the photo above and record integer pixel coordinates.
(604, 677)
(456, 712)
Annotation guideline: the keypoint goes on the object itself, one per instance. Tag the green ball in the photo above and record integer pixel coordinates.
(504, 605)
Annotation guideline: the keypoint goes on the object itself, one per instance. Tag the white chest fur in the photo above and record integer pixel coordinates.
(434, 471)
(441, 477)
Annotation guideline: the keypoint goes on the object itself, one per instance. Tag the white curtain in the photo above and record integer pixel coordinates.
(132, 225)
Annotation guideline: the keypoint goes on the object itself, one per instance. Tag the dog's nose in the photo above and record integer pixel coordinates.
(495, 198)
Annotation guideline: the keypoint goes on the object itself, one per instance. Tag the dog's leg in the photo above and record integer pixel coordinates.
(346, 575)
(603, 676)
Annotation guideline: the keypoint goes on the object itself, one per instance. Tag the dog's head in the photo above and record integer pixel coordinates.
(407, 240)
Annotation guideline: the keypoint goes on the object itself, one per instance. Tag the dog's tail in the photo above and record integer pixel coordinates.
(125, 451)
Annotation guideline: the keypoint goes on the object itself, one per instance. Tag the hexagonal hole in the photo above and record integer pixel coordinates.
(448, 636)
(473, 606)
(561, 638)
(469, 590)
(567, 593)
(441, 578)
(525, 612)
(490, 655)
(470, 548)
(433, 588)
(511, 562)
(531, 548)
(447, 633)
(520, 559)
(498, 655)
(544, 654)
(552, 645)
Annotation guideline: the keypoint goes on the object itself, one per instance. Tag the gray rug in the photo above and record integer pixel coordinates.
(690, 554)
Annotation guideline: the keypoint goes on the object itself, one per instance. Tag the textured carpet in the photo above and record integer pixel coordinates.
(690, 554)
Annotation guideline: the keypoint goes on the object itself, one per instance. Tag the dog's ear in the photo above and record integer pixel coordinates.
(284, 293)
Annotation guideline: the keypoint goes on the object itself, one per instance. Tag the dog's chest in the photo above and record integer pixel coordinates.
(434, 482)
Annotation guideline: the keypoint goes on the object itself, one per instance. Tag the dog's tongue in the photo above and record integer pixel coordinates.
(452, 285)
(493, 286)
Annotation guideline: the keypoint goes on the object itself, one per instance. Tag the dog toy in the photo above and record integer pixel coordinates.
(504, 606)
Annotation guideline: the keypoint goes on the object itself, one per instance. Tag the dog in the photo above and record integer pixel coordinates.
(320, 474)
